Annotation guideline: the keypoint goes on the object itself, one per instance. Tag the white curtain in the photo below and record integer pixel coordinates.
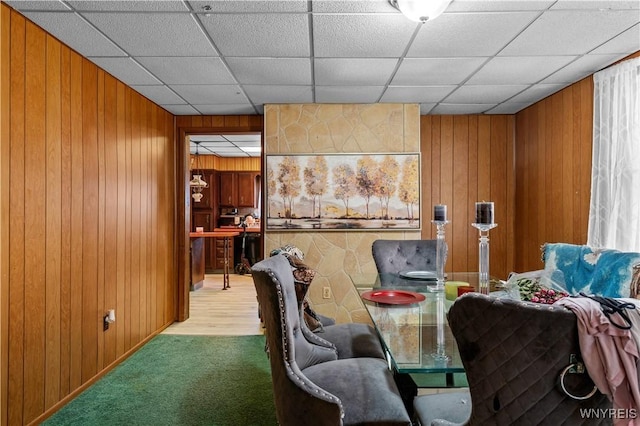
(614, 215)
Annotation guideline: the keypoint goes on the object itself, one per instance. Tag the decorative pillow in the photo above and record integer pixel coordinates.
(602, 272)
(302, 277)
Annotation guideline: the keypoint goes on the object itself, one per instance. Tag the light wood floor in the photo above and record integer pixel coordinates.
(217, 312)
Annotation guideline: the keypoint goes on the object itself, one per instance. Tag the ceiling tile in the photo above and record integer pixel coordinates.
(361, 36)
(199, 70)
(159, 94)
(353, 71)
(226, 109)
(145, 34)
(580, 68)
(493, 5)
(129, 6)
(365, 6)
(480, 34)
(435, 71)
(254, 6)
(245, 140)
(518, 70)
(271, 94)
(461, 108)
(348, 94)
(569, 32)
(271, 70)
(487, 94)
(596, 4)
(416, 94)
(76, 33)
(210, 94)
(209, 138)
(628, 41)
(262, 35)
(126, 69)
(180, 109)
(536, 93)
(47, 5)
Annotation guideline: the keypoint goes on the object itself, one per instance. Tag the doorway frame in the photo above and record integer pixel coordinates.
(198, 125)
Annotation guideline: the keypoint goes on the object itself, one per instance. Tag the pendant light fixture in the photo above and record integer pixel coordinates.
(421, 10)
(197, 184)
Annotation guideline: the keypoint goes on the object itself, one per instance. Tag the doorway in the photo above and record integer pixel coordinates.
(185, 129)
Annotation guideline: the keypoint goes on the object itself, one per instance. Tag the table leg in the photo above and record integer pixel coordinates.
(225, 270)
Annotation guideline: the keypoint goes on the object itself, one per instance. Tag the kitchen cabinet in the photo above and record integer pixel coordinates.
(205, 219)
(238, 189)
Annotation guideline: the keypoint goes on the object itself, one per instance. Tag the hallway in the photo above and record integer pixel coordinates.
(217, 312)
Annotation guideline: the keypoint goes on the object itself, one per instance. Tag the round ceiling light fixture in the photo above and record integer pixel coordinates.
(421, 10)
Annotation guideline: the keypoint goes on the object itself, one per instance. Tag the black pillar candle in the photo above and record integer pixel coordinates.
(439, 213)
(484, 213)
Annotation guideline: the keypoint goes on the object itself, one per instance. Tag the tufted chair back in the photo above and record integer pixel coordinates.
(295, 396)
(513, 354)
(394, 256)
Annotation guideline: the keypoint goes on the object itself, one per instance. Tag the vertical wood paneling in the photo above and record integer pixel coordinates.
(553, 172)
(89, 221)
(77, 194)
(471, 159)
(16, 223)
(5, 105)
(65, 221)
(34, 221)
(82, 160)
(53, 169)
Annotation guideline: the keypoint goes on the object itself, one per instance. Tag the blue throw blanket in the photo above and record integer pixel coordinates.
(603, 272)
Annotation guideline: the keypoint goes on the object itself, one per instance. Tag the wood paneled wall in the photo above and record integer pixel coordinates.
(553, 172)
(88, 209)
(469, 158)
(554, 140)
(197, 125)
(214, 162)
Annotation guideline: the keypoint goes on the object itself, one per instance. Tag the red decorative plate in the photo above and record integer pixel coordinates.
(393, 297)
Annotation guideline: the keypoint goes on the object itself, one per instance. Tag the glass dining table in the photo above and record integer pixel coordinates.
(411, 319)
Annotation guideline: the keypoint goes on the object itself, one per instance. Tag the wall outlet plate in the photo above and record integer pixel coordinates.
(326, 292)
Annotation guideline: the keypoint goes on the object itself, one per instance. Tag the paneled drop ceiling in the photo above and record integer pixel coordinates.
(232, 57)
(226, 145)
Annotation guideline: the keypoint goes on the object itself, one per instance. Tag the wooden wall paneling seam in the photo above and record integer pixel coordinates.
(100, 218)
(121, 215)
(91, 324)
(135, 218)
(5, 155)
(128, 295)
(459, 228)
(15, 393)
(35, 225)
(110, 211)
(472, 194)
(53, 173)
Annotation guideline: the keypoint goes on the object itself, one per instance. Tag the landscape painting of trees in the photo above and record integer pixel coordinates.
(343, 191)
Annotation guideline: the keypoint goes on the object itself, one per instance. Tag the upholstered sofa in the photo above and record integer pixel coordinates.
(311, 384)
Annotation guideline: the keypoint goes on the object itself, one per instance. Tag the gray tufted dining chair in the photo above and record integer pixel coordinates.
(394, 256)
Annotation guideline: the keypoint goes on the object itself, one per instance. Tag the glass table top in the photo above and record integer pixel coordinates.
(416, 336)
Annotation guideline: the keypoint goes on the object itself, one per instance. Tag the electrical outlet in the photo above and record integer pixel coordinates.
(326, 292)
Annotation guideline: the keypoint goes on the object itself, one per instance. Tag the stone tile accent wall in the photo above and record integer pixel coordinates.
(344, 128)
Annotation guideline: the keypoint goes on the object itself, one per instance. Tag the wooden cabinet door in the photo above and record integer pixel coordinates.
(228, 189)
(246, 189)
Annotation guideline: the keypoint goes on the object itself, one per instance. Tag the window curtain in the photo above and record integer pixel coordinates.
(614, 214)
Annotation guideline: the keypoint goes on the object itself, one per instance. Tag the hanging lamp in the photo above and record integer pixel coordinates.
(197, 184)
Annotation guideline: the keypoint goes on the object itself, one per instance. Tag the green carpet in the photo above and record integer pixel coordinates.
(181, 380)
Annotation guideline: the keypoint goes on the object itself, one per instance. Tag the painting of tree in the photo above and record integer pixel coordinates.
(343, 191)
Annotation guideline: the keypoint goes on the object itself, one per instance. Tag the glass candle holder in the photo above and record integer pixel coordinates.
(483, 254)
